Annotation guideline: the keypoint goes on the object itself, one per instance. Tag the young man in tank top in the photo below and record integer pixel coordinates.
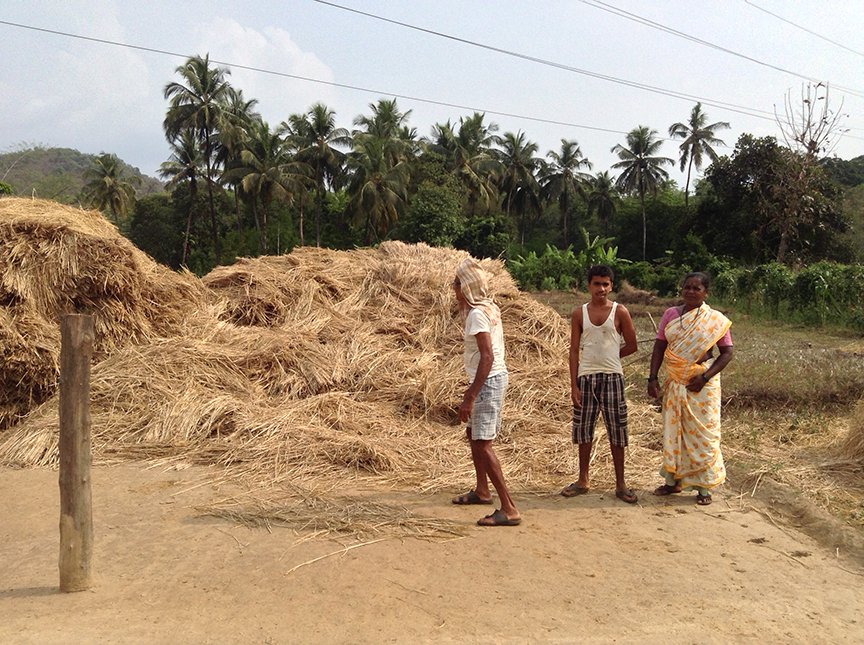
(601, 334)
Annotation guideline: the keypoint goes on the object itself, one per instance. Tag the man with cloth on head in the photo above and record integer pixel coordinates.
(483, 401)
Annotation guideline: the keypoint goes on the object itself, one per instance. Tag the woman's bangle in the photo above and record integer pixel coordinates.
(651, 379)
(705, 379)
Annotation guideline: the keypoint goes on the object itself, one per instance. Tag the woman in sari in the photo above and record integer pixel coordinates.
(686, 338)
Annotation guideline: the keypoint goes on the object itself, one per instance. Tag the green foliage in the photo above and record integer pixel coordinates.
(156, 228)
(5, 189)
(486, 236)
(845, 173)
(767, 202)
(562, 269)
(821, 294)
(434, 216)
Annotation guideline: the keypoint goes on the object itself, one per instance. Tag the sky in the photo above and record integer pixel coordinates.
(61, 91)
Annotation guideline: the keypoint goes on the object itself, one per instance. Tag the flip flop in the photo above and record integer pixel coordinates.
(703, 500)
(470, 498)
(498, 518)
(666, 489)
(626, 495)
(573, 490)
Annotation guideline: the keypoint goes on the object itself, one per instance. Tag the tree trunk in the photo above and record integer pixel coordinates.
(687, 185)
(213, 229)
(565, 209)
(783, 247)
(258, 225)
(302, 239)
(644, 225)
(237, 210)
(264, 213)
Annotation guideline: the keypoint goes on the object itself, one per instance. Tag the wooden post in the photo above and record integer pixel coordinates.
(76, 514)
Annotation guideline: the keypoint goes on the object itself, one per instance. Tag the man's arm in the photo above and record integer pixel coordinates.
(575, 339)
(484, 345)
(627, 330)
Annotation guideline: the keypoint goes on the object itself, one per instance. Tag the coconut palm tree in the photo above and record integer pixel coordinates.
(469, 156)
(316, 140)
(377, 187)
(602, 198)
(562, 180)
(268, 172)
(641, 169)
(107, 187)
(386, 121)
(698, 139)
(518, 182)
(185, 165)
(235, 123)
(197, 104)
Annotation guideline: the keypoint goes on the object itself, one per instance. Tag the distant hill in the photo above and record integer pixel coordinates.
(58, 173)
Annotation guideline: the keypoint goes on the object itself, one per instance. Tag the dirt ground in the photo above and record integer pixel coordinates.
(588, 569)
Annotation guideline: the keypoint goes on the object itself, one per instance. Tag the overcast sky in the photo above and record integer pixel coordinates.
(67, 92)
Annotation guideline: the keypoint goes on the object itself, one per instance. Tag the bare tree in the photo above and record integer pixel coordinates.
(813, 128)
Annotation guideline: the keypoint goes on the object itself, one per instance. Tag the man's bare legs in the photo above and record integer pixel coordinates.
(479, 461)
(584, 464)
(486, 463)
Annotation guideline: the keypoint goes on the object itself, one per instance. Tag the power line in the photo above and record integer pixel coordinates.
(747, 111)
(346, 86)
(802, 28)
(358, 88)
(603, 6)
(732, 107)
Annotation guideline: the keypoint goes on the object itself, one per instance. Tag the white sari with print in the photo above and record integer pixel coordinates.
(691, 420)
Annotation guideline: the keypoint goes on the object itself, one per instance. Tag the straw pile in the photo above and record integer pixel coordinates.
(56, 259)
(321, 371)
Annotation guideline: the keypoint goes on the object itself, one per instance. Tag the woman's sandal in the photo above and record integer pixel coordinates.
(703, 500)
(666, 489)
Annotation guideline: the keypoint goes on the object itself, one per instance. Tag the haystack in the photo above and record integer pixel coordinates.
(56, 259)
(327, 371)
(630, 295)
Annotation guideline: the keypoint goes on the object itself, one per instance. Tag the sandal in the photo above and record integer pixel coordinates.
(703, 500)
(626, 495)
(498, 518)
(573, 490)
(666, 489)
(470, 498)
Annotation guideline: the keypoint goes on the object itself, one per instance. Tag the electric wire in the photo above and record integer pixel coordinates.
(719, 104)
(747, 111)
(802, 28)
(605, 6)
(309, 79)
(741, 109)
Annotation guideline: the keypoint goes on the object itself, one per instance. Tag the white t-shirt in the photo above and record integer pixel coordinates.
(475, 323)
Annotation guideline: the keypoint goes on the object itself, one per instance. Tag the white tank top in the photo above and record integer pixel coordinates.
(600, 345)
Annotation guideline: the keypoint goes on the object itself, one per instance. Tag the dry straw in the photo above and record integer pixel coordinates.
(852, 447)
(318, 368)
(56, 259)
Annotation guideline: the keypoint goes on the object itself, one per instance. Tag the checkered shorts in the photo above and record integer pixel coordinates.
(485, 421)
(601, 392)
